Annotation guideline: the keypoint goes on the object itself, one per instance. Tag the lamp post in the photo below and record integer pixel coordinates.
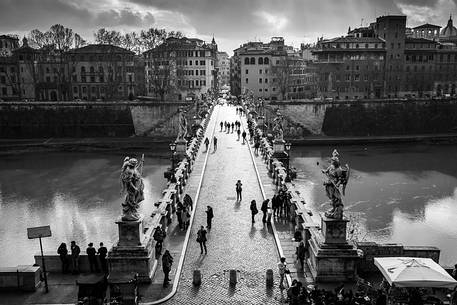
(288, 146)
(172, 149)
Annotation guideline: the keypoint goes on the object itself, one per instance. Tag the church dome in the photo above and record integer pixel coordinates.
(450, 30)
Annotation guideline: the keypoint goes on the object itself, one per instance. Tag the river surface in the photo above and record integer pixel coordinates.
(77, 194)
(397, 193)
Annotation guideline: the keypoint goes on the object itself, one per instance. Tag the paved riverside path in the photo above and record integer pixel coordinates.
(233, 242)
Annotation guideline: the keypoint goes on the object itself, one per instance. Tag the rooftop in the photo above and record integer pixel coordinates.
(427, 26)
(101, 48)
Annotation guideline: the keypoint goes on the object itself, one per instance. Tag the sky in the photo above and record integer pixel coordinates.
(232, 22)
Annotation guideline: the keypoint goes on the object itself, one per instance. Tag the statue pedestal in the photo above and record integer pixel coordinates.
(181, 149)
(133, 253)
(331, 257)
(279, 146)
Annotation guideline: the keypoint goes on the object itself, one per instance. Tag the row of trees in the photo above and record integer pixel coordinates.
(137, 42)
(61, 38)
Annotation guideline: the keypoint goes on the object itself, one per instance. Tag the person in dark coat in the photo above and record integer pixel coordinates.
(244, 136)
(102, 252)
(215, 143)
(63, 254)
(201, 239)
(167, 261)
(159, 236)
(301, 253)
(206, 144)
(233, 126)
(238, 188)
(75, 251)
(253, 209)
(188, 202)
(179, 208)
(222, 124)
(209, 216)
(275, 204)
(264, 209)
(91, 255)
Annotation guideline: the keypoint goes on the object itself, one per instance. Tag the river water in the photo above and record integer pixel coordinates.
(77, 194)
(398, 193)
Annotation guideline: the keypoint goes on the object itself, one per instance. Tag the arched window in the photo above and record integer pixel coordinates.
(260, 60)
(246, 61)
(83, 70)
(100, 69)
(91, 69)
(252, 62)
(266, 61)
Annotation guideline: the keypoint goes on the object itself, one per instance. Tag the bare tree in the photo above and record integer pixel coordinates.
(281, 72)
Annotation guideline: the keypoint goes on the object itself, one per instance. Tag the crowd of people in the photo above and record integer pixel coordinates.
(95, 257)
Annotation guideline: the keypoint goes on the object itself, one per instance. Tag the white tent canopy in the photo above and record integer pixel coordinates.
(414, 272)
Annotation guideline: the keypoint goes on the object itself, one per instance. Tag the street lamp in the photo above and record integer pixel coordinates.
(172, 149)
(288, 146)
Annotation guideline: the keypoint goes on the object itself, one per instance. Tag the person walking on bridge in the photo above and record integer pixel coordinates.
(254, 210)
(238, 132)
(167, 261)
(215, 144)
(221, 124)
(244, 136)
(206, 143)
(201, 239)
(238, 189)
(209, 216)
(264, 209)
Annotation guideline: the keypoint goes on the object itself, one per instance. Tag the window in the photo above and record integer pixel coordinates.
(247, 80)
(260, 80)
(266, 61)
(247, 71)
(92, 79)
(260, 90)
(260, 71)
(3, 80)
(266, 71)
(202, 72)
(196, 62)
(260, 60)
(266, 80)
(202, 62)
(190, 62)
(252, 61)
(196, 72)
(246, 61)
(4, 92)
(83, 70)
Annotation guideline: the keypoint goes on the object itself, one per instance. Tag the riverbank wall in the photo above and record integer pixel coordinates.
(25, 120)
(374, 118)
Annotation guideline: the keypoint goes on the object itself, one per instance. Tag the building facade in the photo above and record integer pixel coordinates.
(101, 72)
(181, 68)
(223, 69)
(272, 71)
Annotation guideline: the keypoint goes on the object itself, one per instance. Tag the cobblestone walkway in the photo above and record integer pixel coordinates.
(233, 242)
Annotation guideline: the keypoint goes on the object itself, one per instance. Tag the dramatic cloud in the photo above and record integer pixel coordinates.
(232, 22)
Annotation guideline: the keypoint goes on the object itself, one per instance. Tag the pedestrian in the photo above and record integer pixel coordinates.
(282, 267)
(256, 147)
(215, 143)
(228, 127)
(167, 261)
(275, 204)
(301, 254)
(253, 209)
(201, 239)
(244, 136)
(102, 252)
(238, 132)
(63, 254)
(238, 189)
(75, 251)
(264, 209)
(233, 126)
(179, 208)
(91, 255)
(185, 217)
(221, 124)
(209, 216)
(159, 236)
(188, 202)
(206, 143)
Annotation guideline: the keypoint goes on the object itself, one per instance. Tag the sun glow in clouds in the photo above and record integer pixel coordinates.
(277, 22)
